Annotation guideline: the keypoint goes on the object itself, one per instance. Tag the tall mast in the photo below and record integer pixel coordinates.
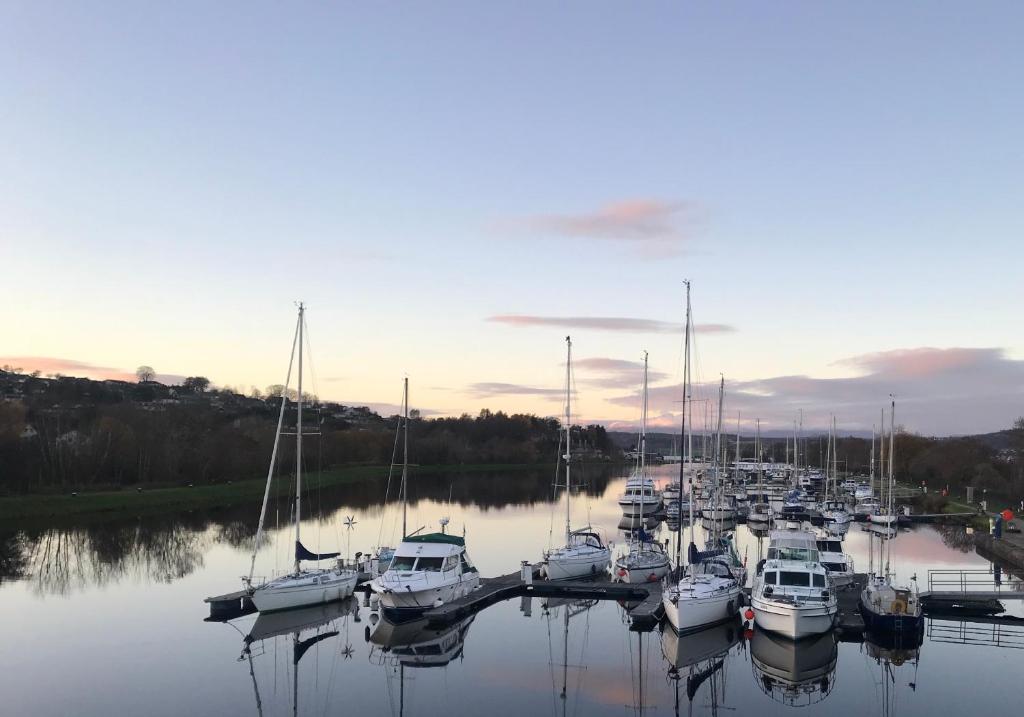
(298, 442)
(687, 406)
(643, 443)
(736, 475)
(405, 456)
(721, 394)
(828, 461)
(568, 434)
(760, 465)
(835, 459)
(892, 451)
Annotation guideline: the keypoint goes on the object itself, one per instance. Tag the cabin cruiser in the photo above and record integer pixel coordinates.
(792, 593)
(862, 491)
(866, 507)
(426, 571)
(671, 492)
(707, 595)
(584, 554)
(834, 511)
(640, 497)
(838, 564)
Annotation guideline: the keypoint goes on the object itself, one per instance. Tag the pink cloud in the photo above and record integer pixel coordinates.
(606, 323)
(922, 362)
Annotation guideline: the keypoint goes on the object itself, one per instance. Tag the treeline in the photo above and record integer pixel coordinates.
(68, 433)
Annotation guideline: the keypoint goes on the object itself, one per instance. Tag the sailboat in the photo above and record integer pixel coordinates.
(303, 586)
(885, 515)
(646, 560)
(429, 569)
(761, 509)
(886, 607)
(708, 593)
(834, 509)
(584, 552)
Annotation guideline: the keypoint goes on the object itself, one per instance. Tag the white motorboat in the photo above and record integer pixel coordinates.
(834, 511)
(866, 507)
(584, 553)
(838, 564)
(793, 594)
(861, 492)
(426, 571)
(640, 496)
(709, 594)
(671, 492)
(303, 586)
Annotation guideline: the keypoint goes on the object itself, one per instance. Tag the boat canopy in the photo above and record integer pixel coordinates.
(436, 538)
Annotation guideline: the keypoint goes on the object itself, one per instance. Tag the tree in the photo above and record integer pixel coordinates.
(196, 384)
(145, 373)
(414, 413)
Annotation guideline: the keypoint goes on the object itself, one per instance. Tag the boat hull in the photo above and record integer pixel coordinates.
(879, 519)
(692, 614)
(793, 621)
(396, 600)
(579, 566)
(274, 597)
(649, 507)
(643, 574)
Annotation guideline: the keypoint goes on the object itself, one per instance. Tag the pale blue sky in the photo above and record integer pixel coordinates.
(174, 175)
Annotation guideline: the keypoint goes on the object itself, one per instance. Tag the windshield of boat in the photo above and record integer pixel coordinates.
(430, 564)
(792, 552)
(402, 562)
(830, 546)
(712, 567)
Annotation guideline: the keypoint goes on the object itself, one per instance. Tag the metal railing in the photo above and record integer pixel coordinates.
(968, 581)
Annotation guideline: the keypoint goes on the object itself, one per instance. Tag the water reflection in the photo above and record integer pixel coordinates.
(795, 673)
(698, 658)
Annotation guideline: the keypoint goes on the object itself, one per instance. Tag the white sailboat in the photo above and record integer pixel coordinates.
(646, 560)
(708, 593)
(834, 509)
(303, 586)
(885, 515)
(584, 553)
(760, 509)
(427, 570)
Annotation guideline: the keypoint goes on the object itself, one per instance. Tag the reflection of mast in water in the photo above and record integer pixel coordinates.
(321, 618)
(890, 654)
(570, 609)
(699, 657)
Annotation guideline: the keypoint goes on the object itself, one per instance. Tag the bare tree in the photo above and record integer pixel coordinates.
(145, 373)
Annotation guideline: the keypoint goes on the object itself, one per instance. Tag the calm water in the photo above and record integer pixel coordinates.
(109, 619)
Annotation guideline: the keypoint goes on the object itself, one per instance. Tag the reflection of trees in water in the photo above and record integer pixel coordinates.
(956, 537)
(60, 560)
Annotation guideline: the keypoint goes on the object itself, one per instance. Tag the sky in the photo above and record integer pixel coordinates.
(453, 187)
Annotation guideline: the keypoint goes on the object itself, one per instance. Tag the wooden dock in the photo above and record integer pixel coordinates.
(642, 601)
(229, 606)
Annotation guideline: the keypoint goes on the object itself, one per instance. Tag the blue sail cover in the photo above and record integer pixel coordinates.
(301, 553)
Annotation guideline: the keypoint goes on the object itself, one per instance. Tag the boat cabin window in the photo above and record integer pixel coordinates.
(793, 553)
(830, 546)
(787, 577)
(467, 566)
(450, 562)
(713, 568)
(430, 564)
(771, 578)
(402, 562)
(819, 580)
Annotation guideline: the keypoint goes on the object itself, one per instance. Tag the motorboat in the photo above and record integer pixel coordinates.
(640, 496)
(426, 571)
(793, 594)
(838, 564)
(866, 507)
(834, 511)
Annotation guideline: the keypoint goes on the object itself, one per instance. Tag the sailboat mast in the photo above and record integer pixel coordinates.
(718, 480)
(682, 428)
(736, 474)
(643, 444)
(835, 459)
(892, 480)
(568, 435)
(405, 456)
(298, 442)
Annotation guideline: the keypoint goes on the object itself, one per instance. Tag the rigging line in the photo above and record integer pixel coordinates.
(387, 489)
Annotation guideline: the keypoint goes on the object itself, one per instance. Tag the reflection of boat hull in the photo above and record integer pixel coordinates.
(685, 650)
(635, 507)
(287, 622)
(880, 519)
(789, 670)
(792, 620)
(415, 644)
(312, 588)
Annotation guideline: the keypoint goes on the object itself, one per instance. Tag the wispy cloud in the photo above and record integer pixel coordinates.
(489, 389)
(605, 323)
(614, 373)
(938, 391)
(658, 227)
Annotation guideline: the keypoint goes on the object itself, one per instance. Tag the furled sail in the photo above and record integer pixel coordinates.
(302, 553)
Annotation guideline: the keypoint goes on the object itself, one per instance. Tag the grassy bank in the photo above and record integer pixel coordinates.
(131, 501)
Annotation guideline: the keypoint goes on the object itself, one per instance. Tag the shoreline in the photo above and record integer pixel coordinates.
(166, 499)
